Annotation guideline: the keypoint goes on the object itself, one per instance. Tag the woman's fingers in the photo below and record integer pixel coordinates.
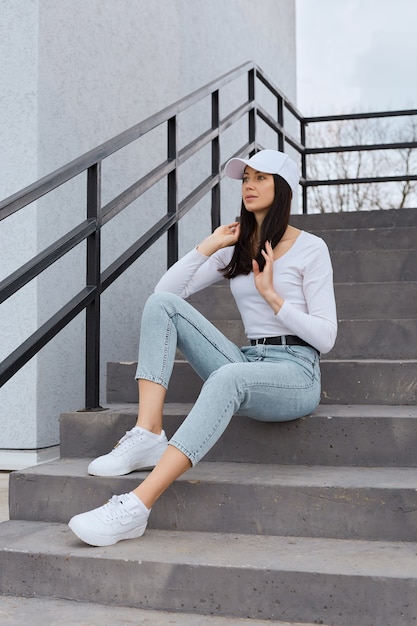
(268, 253)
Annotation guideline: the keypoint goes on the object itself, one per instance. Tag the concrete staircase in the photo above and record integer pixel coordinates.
(311, 522)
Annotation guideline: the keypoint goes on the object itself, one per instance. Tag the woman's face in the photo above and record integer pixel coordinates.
(258, 192)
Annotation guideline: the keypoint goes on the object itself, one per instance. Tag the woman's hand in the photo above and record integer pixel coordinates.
(264, 280)
(222, 237)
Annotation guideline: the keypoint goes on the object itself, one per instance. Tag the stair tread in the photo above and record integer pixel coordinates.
(326, 410)
(378, 435)
(275, 475)
(376, 503)
(222, 550)
(223, 285)
(325, 360)
(373, 320)
(371, 229)
(21, 611)
(344, 381)
(375, 218)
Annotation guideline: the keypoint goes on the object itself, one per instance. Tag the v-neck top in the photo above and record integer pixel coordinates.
(303, 277)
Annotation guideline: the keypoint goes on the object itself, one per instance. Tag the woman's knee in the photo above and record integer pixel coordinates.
(228, 378)
(161, 300)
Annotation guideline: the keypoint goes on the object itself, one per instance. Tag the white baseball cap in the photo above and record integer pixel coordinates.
(268, 161)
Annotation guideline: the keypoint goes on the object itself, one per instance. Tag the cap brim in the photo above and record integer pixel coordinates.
(235, 168)
(268, 161)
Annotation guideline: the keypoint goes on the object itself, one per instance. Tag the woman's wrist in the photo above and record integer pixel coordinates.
(275, 301)
(207, 247)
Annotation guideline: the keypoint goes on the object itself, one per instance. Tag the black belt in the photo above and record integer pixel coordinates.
(283, 340)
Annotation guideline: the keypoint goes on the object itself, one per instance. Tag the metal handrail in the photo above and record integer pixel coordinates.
(89, 230)
(397, 145)
(97, 216)
(359, 116)
(62, 175)
(368, 147)
(359, 181)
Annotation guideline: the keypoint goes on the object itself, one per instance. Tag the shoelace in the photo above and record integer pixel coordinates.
(112, 509)
(129, 433)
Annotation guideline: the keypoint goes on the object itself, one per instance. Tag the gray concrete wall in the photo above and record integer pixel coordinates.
(77, 74)
(18, 241)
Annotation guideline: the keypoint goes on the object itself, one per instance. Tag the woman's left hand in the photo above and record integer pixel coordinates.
(264, 280)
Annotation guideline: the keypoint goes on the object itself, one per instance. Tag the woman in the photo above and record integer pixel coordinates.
(282, 282)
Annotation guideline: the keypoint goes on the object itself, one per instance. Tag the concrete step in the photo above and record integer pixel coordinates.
(369, 381)
(370, 300)
(354, 239)
(382, 436)
(294, 500)
(377, 339)
(356, 219)
(341, 582)
(18, 611)
(367, 301)
(216, 302)
(233, 329)
(355, 381)
(376, 266)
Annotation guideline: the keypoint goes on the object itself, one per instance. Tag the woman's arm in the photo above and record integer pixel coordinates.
(319, 325)
(202, 266)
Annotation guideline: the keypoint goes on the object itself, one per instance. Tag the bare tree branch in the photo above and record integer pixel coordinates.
(362, 164)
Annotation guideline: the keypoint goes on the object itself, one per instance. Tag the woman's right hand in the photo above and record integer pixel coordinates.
(222, 237)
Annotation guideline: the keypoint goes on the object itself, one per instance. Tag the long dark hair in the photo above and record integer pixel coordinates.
(273, 228)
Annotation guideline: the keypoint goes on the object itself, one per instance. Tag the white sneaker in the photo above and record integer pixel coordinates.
(137, 450)
(123, 517)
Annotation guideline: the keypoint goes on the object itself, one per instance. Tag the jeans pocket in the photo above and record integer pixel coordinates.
(302, 352)
(308, 358)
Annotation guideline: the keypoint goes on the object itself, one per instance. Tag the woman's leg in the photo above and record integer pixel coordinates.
(126, 516)
(167, 322)
(151, 406)
(171, 466)
(278, 384)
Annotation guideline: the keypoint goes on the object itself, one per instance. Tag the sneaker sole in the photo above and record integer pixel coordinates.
(149, 464)
(100, 541)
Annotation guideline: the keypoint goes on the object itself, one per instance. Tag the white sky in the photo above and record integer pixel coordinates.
(356, 55)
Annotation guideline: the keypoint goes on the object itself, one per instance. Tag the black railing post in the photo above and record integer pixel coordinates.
(172, 192)
(304, 200)
(92, 344)
(215, 160)
(280, 116)
(252, 112)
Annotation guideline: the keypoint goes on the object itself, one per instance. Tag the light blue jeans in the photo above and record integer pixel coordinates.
(265, 382)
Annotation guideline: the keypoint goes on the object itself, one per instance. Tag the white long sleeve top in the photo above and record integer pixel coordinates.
(303, 277)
